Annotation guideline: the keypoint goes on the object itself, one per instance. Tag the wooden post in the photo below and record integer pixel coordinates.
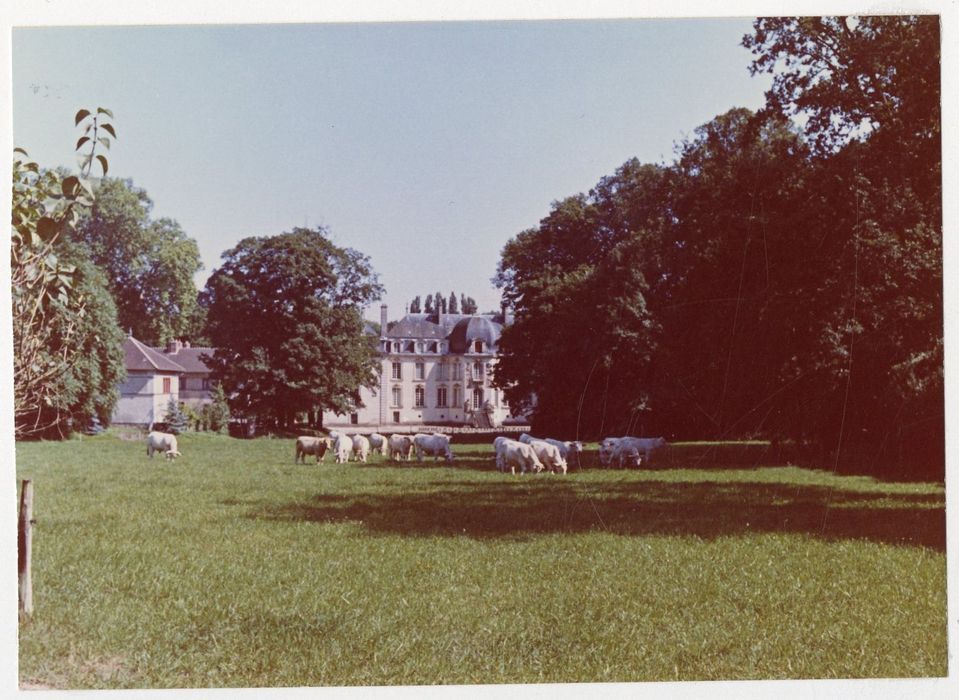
(24, 540)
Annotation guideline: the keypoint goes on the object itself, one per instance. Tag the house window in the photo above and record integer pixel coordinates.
(396, 416)
(182, 383)
(166, 385)
(457, 372)
(478, 346)
(456, 397)
(409, 346)
(206, 384)
(397, 396)
(397, 370)
(433, 347)
(354, 418)
(477, 398)
(441, 397)
(419, 397)
(388, 346)
(441, 372)
(420, 370)
(478, 370)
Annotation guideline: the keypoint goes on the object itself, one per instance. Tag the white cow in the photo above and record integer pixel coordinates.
(342, 447)
(644, 447)
(401, 447)
(625, 455)
(378, 442)
(549, 455)
(437, 445)
(512, 453)
(308, 445)
(162, 442)
(361, 448)
(566, 449)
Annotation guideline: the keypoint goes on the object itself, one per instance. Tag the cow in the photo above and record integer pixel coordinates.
(342, 447)
(606, 449)
(401, 447)
(549, 455)
(644, 448)
(437, 445)
(512, 453)
(625, 455)
(378, 442)
(361, 448)
(565, 448)
(162, 442)
(308, 445)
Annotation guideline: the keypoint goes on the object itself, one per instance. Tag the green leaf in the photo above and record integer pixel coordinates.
(83, 140)
(81, 115)
(47, 228)
(109, 129)
(104, 110)
(103, 164)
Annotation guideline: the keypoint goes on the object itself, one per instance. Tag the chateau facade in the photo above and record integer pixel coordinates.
(434, 369)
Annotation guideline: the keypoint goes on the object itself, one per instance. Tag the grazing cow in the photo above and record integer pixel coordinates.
(342, 447)
(644, 446)
(566, 449)
(512, 453)
(361, 448)
(625, 455)
(549, 455)
(401, 447)
(606, 449)
(437, 445)
(162, 442)
(307, 445)
(378, 442)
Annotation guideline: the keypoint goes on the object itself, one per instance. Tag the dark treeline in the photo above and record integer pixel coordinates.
(774, 281)
(437, 303)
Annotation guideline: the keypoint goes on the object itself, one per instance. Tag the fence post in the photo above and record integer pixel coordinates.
(24, 547)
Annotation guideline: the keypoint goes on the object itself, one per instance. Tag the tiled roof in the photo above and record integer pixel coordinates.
(189, 358)
(137, 356)
(460, 329)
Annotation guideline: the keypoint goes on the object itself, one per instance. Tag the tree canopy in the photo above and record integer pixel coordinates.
(149, 263)
(285, 315)
(775, 280)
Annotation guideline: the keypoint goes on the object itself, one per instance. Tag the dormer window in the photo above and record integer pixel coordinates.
(410, 346)
(478, 346)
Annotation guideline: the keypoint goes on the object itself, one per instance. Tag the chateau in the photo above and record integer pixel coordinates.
(434, 369)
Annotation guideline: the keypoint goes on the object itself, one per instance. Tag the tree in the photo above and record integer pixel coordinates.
(67, 358)
(453, 306)
(439, 301)
(415, 306)
(467, 305)
(284, 313)
(216, 415)
(150, 263)
(175, 419)
(429, 308)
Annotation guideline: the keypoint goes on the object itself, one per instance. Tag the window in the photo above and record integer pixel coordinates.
(206, 384)
(354, 418)
(397, 370)
(441, 397)
(166, 385)
(409, 346)
(477, 398)
(478, 346)
(388, 346)
(478, 370)
(420, 370)
(397, 396)
(457, 371)
(420, 347)
(419, 397)
(433, 347)
(396, 416)
(182, 383)
(456, 397)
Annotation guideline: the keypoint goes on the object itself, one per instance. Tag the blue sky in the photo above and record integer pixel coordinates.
(424, 145)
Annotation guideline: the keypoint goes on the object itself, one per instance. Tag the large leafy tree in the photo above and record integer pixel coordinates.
(149, 263)
(66, 343)
(284, 313)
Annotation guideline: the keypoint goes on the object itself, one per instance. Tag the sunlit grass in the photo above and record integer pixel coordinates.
(235, 567)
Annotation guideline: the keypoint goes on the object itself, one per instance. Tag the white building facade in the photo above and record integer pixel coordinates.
(434, 369)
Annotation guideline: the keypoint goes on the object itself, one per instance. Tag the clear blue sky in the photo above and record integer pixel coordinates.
(424, 145)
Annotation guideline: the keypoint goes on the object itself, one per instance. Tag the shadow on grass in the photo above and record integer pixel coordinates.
(709, 510)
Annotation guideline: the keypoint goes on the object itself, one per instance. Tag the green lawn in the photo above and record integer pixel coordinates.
(235, 567)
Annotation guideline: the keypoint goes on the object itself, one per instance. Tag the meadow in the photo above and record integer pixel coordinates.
(234, 566)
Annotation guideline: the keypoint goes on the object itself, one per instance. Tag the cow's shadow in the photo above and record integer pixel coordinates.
(706, 509)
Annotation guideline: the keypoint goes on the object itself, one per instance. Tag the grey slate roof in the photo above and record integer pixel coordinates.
(137, 356)
(189, 358)
(459, 329)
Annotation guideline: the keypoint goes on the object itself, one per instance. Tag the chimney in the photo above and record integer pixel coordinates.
(173, 346)
(507, 314)
(383, 320)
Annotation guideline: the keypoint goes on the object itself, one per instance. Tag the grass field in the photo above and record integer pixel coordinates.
(235, 567)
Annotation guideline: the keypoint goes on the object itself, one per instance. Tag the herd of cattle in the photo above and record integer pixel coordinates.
(528, 454)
